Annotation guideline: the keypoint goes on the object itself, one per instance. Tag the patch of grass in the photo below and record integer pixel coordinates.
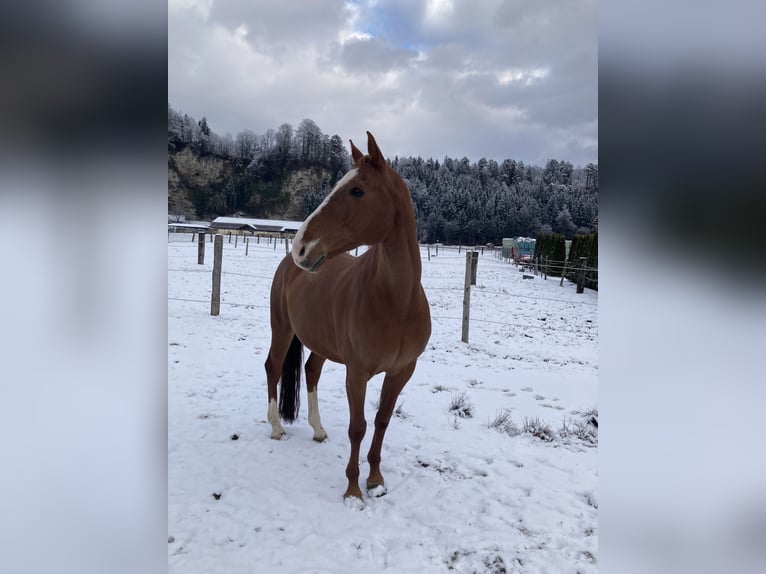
(461, 405)
(439, 389)
(503, 423)
(538, 429)
(585, 429)
(582, 431)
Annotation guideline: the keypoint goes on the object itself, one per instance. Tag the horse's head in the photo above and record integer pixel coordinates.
(360, 210)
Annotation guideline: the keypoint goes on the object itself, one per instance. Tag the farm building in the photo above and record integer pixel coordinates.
(254, 225)
(179, 224)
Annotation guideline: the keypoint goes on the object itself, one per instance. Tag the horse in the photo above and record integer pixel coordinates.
(369, 313)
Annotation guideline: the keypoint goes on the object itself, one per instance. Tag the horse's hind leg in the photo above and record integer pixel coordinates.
(392, 386)
(280, 343)
(313, 370)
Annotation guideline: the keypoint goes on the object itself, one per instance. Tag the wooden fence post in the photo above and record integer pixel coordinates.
(275, 243)
(466, 296)
(194, 236)
(581, 275)
(287, 245)
(236, 237)
(429, 252)
(458, 248)
(229, 236)
(563, 273)
(215, 300)
(211, 237)
(474, 265)
(247, 244)
(437, 250)
(356, 252)
(201, 249)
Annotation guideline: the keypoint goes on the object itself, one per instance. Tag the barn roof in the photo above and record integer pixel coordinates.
(191, 225)
(273, 225)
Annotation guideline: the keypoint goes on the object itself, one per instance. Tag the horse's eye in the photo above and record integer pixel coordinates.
(356, 192)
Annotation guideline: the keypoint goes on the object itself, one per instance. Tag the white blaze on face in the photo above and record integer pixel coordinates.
(298, 241)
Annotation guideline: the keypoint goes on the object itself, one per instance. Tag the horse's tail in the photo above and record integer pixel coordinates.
(290, 389)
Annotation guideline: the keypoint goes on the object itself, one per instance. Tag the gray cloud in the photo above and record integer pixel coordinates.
(372, 55)
(281, 26)
(513, 78)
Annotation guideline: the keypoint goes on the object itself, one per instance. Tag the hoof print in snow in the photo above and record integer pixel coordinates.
(235, 436)
(217, 495)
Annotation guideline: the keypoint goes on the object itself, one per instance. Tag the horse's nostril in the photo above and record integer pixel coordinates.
(303, 251)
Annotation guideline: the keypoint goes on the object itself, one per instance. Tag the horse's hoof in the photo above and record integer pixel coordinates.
(352, 492)
(276, 435)
(377, 490)
(320, 437)
(353, 502)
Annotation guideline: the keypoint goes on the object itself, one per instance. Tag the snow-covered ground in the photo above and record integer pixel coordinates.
(462, 496)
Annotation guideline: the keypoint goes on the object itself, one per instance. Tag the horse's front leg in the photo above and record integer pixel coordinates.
(392, 386)
(356, 388)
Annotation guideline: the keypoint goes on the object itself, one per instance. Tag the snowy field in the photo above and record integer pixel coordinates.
(463, 496)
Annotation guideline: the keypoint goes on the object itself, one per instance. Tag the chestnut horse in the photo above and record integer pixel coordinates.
(368, 312)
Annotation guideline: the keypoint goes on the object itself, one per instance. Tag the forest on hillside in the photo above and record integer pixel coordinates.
(455, 200)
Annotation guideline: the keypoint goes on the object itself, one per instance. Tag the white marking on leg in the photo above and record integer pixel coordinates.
(319, 433)
(298, 240)
(273, 417)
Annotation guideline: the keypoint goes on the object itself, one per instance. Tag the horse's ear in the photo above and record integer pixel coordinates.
(355, 153)
(376, 156)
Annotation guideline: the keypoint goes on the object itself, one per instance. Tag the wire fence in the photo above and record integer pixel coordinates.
(222, 302)
(426, 287)
(588, 328)
(452, 250)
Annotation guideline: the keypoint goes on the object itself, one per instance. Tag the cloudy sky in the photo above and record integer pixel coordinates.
(477, 78)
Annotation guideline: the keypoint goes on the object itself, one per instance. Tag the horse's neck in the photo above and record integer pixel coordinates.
(397, 258)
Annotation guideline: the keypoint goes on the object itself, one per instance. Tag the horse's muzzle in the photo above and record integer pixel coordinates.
(307, 255)
(311, 264)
